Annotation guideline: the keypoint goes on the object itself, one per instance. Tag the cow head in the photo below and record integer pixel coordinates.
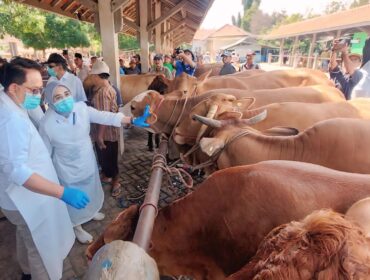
(184, 83)
(324, 245)
(122, 228)
(220, 106)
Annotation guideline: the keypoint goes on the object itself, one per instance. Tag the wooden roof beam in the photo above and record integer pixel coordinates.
(172, 30)
(191, 8)
(167, 15)
(55, 2)
(116, 4)
(67, 6)
(131, 24)
(92, 5)
(183, 13)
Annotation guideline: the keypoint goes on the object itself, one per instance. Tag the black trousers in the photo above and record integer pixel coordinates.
(150, 140)
(108, 158)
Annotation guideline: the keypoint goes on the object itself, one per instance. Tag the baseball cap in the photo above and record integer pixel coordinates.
(226, 53)
(99, 67)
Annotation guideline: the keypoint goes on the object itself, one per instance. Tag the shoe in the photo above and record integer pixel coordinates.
(26, 277)
(82, 236)
(99, 216)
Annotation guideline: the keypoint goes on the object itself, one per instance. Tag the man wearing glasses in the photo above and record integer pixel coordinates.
(30, 194)
(58, 71)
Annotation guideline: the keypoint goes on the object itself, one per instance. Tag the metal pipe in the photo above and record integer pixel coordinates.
(149, 208)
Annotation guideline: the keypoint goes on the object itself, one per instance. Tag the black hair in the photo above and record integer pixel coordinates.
(104, 76)
(192, 55)
(138, 57)
(15, 71)
(65, 52)
(366, 52)
(78, 55)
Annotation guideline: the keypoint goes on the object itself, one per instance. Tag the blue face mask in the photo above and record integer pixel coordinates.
(31, 101)
(64, 106)
(51, 72)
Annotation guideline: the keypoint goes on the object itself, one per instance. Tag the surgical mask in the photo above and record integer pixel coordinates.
(64, 106)
(51, 72)
(31, 101)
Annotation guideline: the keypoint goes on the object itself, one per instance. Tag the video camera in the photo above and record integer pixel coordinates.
(341, 42)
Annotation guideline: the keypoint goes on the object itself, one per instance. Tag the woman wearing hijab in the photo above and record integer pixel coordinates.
(65, 130)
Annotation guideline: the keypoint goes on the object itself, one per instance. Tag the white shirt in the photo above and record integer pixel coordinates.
(74, 84)
(83, 72)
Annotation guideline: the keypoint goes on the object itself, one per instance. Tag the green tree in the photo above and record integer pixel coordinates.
(358, 3)
(335, 6)
(126, 42)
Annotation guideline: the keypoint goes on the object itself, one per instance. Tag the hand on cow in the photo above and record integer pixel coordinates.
(141, 121)
(74, 197)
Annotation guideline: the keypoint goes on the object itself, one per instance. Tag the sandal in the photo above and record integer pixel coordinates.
(116, 190)
(106, 180)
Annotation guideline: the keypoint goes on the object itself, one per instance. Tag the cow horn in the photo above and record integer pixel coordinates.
(258, 118)
(207, 121)
(211, 114)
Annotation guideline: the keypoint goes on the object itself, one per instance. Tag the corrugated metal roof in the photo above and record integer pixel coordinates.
(352, 18)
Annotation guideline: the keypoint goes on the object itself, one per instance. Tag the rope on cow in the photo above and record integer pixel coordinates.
(159, 161)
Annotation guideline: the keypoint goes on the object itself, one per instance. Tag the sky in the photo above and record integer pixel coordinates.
(220, 14)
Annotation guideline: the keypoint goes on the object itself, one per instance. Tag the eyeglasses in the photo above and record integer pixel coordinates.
(51, 66)
(34, 91)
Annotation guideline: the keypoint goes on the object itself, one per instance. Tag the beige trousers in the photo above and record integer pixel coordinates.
(28, 256)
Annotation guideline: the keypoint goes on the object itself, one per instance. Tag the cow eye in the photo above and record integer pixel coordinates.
(132, 108)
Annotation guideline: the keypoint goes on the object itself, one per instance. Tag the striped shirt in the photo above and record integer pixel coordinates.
(105, 100)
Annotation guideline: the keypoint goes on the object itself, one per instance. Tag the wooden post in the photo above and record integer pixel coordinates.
(310, 52)
(294, 50)
(158, 28)
(144, 36)
(281, 52)
(109, 40)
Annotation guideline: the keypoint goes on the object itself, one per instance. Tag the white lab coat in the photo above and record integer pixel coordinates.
(22, 153)
(68, 141)
(362, 89)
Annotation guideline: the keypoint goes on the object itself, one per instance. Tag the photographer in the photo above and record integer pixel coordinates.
(184, 62)
(346, 81)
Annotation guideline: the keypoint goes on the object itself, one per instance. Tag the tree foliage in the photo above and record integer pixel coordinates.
(126, 42)
(358, 3)
(335, 6)
(41, 30)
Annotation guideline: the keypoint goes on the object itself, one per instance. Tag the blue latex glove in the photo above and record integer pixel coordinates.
(141, 121)
(74, 197)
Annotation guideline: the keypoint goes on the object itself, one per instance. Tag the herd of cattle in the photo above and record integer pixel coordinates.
(277, 146)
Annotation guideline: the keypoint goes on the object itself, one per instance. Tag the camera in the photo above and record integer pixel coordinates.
(341, 42)
(177, 50)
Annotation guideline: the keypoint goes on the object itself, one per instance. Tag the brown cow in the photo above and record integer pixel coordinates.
(266, 80)
(214, 231)
(341, 144)
(323, 245)
(214, 70)
(292, 114)
(171, 106)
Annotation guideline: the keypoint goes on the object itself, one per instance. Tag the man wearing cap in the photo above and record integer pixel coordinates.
(82, 70)
(158, 67)
(227, 68)
(58, 71)
(185, 63)
(105, 137)
(249, 64)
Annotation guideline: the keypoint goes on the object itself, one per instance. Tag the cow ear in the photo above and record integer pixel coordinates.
(204, 76)
(153, 94)
(211, 146)
(281, 131)
(229, 115)
(244, 103)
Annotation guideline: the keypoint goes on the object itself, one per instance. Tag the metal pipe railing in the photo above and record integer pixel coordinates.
(149, 209)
